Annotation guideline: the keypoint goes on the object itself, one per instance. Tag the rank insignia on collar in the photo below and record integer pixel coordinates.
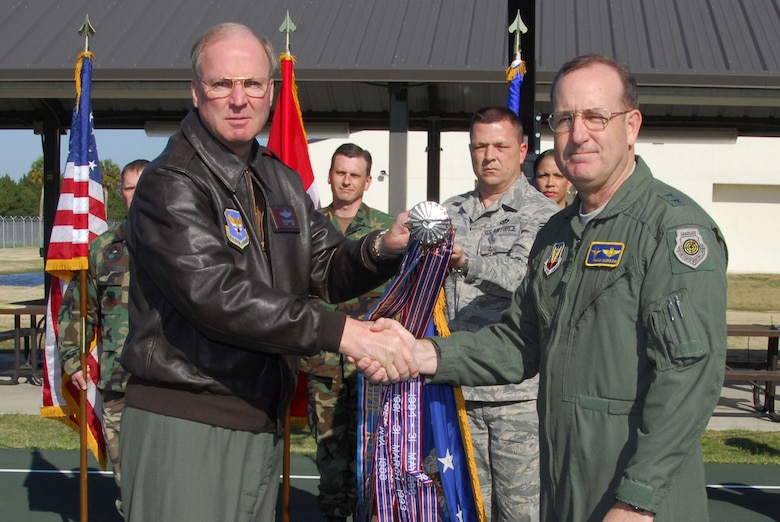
(689, 247)
(234, 228)
(605, 254)
(554, 261)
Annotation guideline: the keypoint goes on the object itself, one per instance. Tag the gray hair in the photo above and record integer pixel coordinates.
(222, 31)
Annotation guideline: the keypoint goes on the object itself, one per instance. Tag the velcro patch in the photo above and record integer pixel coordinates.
(234, 228)
(285, 219)
(605, 254)
(689, 247)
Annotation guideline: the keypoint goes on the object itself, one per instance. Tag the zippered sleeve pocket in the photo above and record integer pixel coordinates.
(675, 336)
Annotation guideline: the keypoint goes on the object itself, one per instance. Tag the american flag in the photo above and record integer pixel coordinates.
(80, 218)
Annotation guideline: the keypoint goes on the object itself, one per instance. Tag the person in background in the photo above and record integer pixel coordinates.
(332, 379)
(549, 180)
(227, 252)
(495, 226)
(108, 280)
(622, 313)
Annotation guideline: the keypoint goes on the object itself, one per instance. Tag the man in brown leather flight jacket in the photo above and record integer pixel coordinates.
(226, 252)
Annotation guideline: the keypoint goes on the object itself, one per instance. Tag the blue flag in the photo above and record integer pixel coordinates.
(514, 76)
(443, 433)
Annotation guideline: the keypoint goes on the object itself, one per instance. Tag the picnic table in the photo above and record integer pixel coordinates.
(30, 336)
(764, 375)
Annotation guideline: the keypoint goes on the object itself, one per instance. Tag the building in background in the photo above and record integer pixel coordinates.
(736, 179)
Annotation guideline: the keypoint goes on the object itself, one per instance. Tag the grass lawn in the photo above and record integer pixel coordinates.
(720, 447)
(22, 431)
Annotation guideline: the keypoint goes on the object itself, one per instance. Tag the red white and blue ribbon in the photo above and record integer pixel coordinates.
(392, 483)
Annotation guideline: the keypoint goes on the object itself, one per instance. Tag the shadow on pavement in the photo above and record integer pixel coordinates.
(49, 490)
(742, 496)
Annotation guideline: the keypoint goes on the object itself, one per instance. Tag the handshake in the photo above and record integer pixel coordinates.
(385, 352)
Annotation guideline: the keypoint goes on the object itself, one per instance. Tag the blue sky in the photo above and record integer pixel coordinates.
(23, 147)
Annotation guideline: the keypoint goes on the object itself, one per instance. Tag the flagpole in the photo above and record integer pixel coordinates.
(83, 474)
(86, 30)
(287, 27)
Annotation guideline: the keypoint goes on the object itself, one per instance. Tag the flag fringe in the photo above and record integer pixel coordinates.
(65, 268)
(443, 329)
(71, 420)
(79, 62)
(69, 415)
(294, 88)
(514, 70)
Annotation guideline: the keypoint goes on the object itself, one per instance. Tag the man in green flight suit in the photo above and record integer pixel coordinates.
(108, 282)
(332, 380)
(622, 314)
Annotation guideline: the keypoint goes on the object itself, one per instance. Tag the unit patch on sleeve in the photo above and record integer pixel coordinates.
(689, 247)
(113, 252)
(605, 254)
(234, 228)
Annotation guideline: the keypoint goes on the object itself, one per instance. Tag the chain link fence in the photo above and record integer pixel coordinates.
(23, 231)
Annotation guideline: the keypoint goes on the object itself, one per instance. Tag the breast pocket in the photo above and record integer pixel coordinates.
(113, 316)
(498, 242)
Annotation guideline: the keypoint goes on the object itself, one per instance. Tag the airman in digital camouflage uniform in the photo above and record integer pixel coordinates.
(495, 226)
(108, 282)
(332, 380)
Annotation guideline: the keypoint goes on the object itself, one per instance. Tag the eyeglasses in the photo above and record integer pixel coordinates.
(594, 119)
(222, 87)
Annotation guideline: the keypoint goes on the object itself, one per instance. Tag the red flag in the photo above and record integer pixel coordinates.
(287, 137)
(80, 218)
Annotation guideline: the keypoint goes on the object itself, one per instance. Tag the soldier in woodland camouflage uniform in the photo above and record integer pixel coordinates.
(108, 282)
(332, 380)
(495, 227)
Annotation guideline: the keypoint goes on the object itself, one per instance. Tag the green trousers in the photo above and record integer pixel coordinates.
(182, 471)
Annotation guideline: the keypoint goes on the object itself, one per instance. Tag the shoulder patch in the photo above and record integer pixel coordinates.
(113, 252)
(689, 247)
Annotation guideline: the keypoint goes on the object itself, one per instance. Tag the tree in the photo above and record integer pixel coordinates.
(26, 197)
(112, 190)
(36, 171)
(36, 176)
(7, 195)
(18, 199)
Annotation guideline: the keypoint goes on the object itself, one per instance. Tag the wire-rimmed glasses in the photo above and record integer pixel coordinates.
(594, 119)
(222, 87)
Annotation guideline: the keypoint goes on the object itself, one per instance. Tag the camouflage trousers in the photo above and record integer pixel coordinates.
(505, 436)
(113, 404)
(332, 414)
